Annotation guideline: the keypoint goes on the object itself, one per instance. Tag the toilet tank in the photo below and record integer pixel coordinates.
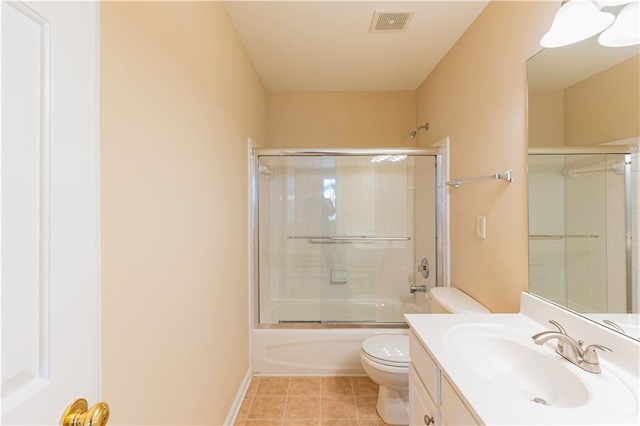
(451, 300)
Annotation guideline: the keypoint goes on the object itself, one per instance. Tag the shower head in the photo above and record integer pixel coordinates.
(619, 167)
(265, 171)
(414, 132)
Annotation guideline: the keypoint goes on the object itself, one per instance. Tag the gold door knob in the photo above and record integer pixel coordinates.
(79, 414)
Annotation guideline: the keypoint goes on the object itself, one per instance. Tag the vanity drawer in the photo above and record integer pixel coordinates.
(425, 367)
(453, 410)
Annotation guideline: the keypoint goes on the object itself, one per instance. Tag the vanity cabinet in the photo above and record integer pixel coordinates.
(432, 398)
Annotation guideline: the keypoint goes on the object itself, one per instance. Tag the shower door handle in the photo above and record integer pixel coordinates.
(345, 238)
(365, 238)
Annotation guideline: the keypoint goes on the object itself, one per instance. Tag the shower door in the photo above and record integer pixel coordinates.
(339, 237)
(579, 242)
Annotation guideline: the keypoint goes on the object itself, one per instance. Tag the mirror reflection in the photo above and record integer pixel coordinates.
(584, 128)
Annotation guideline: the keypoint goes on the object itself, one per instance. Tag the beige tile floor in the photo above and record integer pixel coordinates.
(307, 401)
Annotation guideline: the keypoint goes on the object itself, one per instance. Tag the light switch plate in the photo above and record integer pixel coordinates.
(481, 227)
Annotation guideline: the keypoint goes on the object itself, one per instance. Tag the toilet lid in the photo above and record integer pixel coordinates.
(392, 349)
(455, 301)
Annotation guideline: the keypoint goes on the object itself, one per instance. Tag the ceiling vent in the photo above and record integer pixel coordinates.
(390, 22)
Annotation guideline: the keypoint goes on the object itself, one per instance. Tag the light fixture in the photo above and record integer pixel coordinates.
(625, 31)
(607, 3)
(575, 21)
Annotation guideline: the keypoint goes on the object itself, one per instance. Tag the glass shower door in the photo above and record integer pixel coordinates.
(578, 230)
(339, 236)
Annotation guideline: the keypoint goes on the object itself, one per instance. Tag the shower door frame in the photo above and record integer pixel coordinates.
(440, 191)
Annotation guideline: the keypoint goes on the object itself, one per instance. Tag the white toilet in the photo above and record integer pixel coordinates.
(450, 300)
(385, 357)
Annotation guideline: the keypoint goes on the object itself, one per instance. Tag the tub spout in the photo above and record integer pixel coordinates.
(420, 288)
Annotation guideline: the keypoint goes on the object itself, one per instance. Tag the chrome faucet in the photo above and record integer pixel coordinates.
(420, 288)
(572, 350)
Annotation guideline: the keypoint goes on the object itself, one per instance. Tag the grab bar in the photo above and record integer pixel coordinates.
(344, 238)
(560, 237)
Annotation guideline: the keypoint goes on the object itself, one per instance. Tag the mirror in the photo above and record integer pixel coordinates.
(584, 121)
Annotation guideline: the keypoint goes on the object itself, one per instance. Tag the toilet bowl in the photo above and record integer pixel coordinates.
(385, 357)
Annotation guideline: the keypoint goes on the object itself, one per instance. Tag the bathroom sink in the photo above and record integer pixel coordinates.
(506, 360)
(494, 354)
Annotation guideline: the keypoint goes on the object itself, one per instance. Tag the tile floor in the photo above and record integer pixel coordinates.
(310, 401)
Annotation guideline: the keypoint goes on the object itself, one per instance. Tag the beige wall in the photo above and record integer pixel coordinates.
(599, 109)
(179, 99)
(604, 107)
(477, 96)
(546, 117)
(340, 119)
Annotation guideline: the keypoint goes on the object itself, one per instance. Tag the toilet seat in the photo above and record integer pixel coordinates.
(398, 369)
(387, 349)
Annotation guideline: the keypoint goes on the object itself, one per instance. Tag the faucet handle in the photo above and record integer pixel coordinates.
(590, 358)
(590, 354)
(558, 326)
(560, 344)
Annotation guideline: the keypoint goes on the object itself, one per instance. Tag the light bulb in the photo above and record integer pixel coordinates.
(626, 30)
(575, 21)
(607, 3)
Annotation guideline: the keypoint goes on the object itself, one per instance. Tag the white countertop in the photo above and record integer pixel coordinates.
(495, 405)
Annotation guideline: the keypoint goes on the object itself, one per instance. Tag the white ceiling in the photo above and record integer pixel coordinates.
(326, 45)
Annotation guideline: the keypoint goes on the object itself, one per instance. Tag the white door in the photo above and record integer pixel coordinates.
(50, 221)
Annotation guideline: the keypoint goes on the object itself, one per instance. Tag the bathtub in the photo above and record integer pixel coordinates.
(320, 351)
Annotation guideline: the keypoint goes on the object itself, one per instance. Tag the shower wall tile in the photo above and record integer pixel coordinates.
(617, 296)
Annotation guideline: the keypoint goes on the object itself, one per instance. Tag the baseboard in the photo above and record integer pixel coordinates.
(237, 402)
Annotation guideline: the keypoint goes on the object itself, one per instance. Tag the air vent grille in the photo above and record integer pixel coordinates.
(384, 22)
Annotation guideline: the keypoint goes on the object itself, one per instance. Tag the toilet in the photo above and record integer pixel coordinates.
(450, 300)
(385, 357)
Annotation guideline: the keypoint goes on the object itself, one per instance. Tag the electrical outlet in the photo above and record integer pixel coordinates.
(481, 227)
